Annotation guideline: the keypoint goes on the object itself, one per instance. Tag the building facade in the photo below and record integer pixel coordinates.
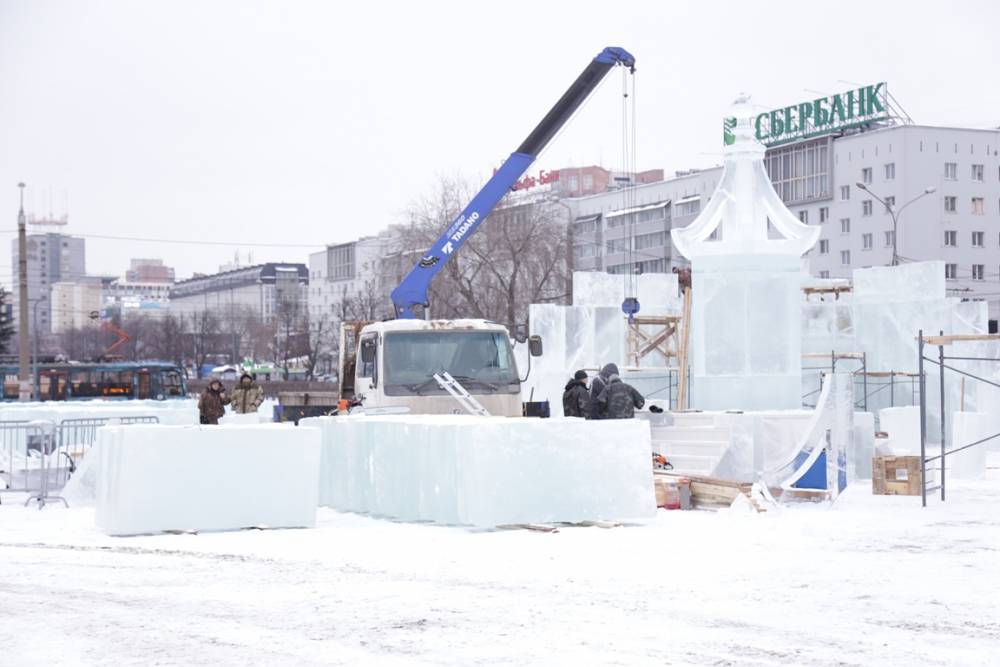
(628, 231)
(942, 183)
(348, 281)
(149, 271)
(52, 258)
(260, 290)
(75, 305)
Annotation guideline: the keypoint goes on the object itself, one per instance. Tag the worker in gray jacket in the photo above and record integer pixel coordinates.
(597, 386)
(619, 400)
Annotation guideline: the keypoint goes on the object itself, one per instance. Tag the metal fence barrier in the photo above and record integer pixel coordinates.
(39, 457)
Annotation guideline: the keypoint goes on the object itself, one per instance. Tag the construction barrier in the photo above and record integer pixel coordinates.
(38, 457)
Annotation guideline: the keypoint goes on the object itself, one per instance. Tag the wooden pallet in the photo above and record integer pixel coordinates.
(896, 476)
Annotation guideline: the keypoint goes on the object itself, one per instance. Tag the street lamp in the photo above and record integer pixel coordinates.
(895, 213)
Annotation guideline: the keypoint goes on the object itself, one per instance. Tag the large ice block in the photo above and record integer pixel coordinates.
(746, 342)
(912, 281)
(903, 427)
(655, 291)
(455, 469)
(157, 478)
(967, 428)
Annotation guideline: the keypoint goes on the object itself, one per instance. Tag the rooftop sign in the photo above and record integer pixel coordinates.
(821, 116)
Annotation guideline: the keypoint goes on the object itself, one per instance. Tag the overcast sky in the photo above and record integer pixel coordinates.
(317, 122)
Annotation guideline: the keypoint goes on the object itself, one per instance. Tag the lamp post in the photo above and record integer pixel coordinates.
(24, 381)
(895, 213)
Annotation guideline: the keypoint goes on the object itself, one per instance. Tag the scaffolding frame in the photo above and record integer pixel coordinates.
(941, 341)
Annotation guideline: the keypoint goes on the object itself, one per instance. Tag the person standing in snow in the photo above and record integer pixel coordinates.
(576, 399)
(247, 396)
(597, 386)
(212, 402)
(619, 400)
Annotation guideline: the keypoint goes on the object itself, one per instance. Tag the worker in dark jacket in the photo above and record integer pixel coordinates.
(619, 400)
(576, 399)
(247, 396)
(212, 402)
(597, 386)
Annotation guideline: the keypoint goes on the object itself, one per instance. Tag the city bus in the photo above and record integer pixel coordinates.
(114, 380)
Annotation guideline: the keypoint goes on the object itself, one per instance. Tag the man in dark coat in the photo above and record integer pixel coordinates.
(212, 402)
(597, 386)
(619, 400)
(576, 399)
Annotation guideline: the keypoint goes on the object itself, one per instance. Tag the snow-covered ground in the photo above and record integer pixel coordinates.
(874, 580)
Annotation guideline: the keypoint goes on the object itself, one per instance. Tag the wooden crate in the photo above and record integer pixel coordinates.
(896, 476)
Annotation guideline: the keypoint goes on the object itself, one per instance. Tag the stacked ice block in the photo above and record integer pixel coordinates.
(593, 331)
(746, 333)
(485, 471)
(157, 478)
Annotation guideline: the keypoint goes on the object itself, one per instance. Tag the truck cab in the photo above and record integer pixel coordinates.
(396, 361)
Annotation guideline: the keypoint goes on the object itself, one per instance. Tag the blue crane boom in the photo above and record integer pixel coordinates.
(412, 291)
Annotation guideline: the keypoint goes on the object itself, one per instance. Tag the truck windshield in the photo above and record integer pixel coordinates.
(480, 360)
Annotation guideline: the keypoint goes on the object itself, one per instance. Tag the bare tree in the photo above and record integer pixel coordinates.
(517, 257)
(204, 330)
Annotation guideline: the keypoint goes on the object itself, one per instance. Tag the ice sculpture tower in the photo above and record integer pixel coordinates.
(745, 251)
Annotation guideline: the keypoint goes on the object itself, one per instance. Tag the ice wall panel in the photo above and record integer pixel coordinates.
(487, 471)
(157, 478)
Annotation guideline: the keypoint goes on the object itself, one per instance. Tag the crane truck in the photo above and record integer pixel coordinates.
(424, 366)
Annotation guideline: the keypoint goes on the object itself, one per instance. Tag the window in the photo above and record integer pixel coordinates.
(950, 171)
(951, 238)
(651, 266)
(951, 271)
(866, 175)
(890, 237)
(650, 215)
(977, 172)
(890, 202)
(824, 246)
(950, 204)
(866, 241)
(824, 274)
(617, 246)
(340, 262)
(367, 358)
(586, 225)
(845, 192)
(654, 240)
(585, 250)
(845, 225)
(800, 172)
(845, 257)
(977, 272)
(890, 171)
(804, 217)
(978, 206)
(824, 214)
(687, 207)
(588, 182)
(977, 239)
(866, 207)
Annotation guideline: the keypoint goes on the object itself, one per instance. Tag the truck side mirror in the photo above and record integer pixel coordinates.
(535, 345)
(521, 333)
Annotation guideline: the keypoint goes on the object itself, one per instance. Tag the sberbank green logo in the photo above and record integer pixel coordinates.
(820, 116)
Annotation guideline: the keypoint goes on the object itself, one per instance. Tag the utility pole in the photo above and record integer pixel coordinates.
(23, 349)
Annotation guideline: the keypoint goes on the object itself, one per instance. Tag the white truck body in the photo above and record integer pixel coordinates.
(396, 362)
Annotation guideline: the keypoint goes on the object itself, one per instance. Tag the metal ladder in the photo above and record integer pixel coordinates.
(460, 394)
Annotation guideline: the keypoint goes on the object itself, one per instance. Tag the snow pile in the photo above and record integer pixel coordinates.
(156, 478)
(485, 471)
(175, 411)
